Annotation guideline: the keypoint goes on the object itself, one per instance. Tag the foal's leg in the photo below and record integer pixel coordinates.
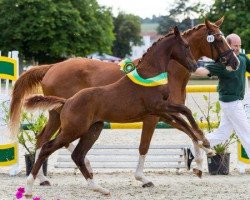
(195, 140)
(71, 148)
(175, 108)
(166, 112)
(48, 148)
(82, 148)
(197, 150)
(148, 128)
(50, 128)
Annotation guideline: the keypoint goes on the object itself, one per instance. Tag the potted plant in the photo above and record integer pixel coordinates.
(32, 125)
(218, 164)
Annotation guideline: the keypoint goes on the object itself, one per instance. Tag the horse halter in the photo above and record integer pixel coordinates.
(222, 55)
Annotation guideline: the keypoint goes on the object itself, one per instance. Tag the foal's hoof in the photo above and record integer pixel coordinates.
(149, 184)
(28, 196)
(197, 172)
(206, 143)
(211, 153)
(45, 183)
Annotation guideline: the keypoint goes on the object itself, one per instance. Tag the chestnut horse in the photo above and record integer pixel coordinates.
(82, 116)
(66, 78)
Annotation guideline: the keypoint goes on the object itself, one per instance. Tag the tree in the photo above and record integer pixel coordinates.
(182, 14)
(127, 31)
(49, 30)
(165, 24)
(184, 9)
(237, 18)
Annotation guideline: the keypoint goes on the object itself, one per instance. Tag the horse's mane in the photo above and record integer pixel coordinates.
(195, 28)
(170, 32)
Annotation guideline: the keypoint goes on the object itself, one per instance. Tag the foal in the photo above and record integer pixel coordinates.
(83, 115)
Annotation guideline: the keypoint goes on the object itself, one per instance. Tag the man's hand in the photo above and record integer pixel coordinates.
(201, 71)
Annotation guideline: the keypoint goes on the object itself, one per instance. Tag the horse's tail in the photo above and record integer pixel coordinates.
(44, 102)
(25, 85)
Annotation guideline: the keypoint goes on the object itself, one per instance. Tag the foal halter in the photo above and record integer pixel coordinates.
(222, 55)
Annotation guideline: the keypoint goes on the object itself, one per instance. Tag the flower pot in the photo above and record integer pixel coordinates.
(219, 164)
(29, 161)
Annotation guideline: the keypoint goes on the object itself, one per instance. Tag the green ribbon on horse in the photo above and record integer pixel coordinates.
(129, 68)
(127, 65)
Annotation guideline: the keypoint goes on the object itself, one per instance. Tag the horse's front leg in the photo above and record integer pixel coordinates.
(197, 150)
(198, 154)
(173, 109)
(149, 124)
(182, 109)
(179, 123)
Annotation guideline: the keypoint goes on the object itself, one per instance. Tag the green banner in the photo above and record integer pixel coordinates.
(7, 68)
(243, 153)
(7, 155)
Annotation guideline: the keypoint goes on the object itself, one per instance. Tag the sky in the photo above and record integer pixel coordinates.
(143, 8)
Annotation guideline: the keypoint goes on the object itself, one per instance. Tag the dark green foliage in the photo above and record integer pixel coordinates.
(237, 18)
(213, 108)
(51, 30)
(165, 24)
(127, 31)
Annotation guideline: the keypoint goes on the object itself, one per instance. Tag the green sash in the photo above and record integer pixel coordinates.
(129, 68)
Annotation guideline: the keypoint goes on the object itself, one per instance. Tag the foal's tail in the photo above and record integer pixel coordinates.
(25, 85)
(44, 102)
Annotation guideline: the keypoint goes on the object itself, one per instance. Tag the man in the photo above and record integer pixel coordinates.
(231, 89)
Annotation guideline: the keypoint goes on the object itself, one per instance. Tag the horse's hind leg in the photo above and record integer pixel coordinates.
(71, 148)
(50, 128)
(148, 128)
(47, 149)
(82, 148)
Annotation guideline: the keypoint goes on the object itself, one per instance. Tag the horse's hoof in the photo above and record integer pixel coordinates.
(200, 144)
(28, 196)
(206, 143)
(197, 172)
(211, 153)
(45, 183)
(107, 193)
(103, 191)
(149, 184)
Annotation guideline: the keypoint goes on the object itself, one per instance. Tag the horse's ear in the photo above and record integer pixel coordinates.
(219, 22)
(176, 31)
(208, 24)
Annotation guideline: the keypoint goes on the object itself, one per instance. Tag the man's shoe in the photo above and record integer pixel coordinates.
(188, 156)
